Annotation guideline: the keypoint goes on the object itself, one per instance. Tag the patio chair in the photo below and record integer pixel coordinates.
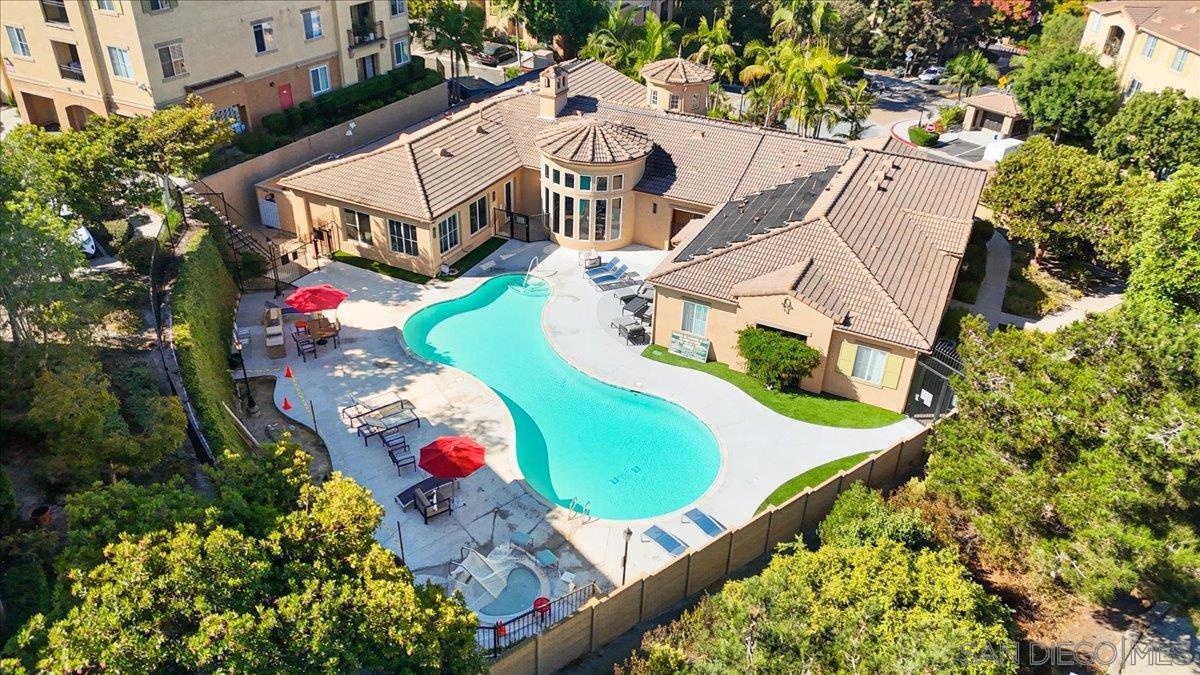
(644, 290)
(394, 440)
(707, 524)
(546, 558)
(402, 459)
(304, 346)
(374, 403)
(615, 274)
(673, 545)
(432, 503)
(374, 424)
(634, 335)
(407, 497)
(635, 305)
(601, 270)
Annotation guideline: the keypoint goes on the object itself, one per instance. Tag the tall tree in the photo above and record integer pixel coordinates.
(930, 28)
(969, 70)
(1049, 194)
(1166, 257)
(612, 40)
(1066, 90)
(657, 41)
(854, 106)
(715, 48)
(1155, 132)
(563, 22)
(1060, 30)
(807, 21)
(316, 594)
(447, 27)
(511, 11)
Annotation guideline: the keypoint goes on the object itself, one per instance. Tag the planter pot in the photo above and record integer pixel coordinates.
(41, 515)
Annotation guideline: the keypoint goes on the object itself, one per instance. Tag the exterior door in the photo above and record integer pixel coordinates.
(285, 96)
(993, 121)
(367, 67)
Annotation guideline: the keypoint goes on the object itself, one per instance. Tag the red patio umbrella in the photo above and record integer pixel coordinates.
(316, 298)
(452, 457)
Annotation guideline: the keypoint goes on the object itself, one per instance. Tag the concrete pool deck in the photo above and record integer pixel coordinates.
(760, 448)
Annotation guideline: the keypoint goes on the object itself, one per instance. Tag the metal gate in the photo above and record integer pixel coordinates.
(520, 226)
(930, 396)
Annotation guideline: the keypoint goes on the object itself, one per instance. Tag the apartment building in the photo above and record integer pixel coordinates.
(1153, 45)
(70, 59)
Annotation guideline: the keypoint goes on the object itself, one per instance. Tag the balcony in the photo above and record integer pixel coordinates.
(71, 71)
(364, 34)
(55, 11)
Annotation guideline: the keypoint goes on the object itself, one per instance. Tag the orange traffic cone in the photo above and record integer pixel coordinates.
(287, 405)
(287, 371)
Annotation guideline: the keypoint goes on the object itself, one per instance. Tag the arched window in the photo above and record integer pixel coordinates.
(1112, 44)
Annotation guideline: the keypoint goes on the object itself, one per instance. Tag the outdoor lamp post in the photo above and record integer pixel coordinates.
(250, 404)
(625, 559)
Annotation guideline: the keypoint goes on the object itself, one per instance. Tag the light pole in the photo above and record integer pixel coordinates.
(400, 535)
(251, 406)
(625, 559)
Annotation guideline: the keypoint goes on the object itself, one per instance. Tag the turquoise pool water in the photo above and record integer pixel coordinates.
(631, 455)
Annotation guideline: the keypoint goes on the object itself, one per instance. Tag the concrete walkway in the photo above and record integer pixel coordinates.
(761, 449)
(990, 299)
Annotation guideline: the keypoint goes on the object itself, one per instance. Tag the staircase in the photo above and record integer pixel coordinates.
(241, 241)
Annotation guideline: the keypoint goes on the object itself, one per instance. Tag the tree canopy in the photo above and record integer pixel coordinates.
(567, 21)
(1155, 132)
(315, 594)
(1066, 90)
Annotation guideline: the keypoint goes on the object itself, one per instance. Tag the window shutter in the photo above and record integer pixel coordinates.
(891, 371)
(146, 6)
(845, 362)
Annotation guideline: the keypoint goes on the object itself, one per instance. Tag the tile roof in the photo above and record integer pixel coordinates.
(431, 168)
(678, 70)
(879, 257)
(593, 141)
(995, 101)
(1176, 21)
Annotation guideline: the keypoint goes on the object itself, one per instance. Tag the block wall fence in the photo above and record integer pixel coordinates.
(602, 620)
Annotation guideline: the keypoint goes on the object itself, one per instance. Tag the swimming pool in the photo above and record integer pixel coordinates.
(630, 455)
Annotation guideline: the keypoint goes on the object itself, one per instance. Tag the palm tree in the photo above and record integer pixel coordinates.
(808, 18)
(656, 43)
(969, 70)
(450, 28)
(855, 105)
(716, 48)
(511, 11)
(766, 72)
(612, 40)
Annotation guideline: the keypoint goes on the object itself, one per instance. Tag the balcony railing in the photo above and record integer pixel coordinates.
(71, 71)
(55, 11)
(1112, 48)
(364, 34)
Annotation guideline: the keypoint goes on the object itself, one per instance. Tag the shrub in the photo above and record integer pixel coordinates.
(775, 358)
(293, 117)
(952, 114)
(204, 300)
(276, 123)
(257, 142)
(25, 592)
(860, 517)
(138, 254)
(8, 504)
(308, 112)
(922, 137)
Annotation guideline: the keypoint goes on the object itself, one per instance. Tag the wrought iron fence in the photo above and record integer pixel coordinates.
(504, 634)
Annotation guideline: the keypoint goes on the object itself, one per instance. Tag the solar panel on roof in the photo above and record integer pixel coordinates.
(741, 219)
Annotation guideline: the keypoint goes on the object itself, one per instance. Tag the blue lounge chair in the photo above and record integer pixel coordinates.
(603, 269)
(707, 524)
(616, 274)
(670, 543)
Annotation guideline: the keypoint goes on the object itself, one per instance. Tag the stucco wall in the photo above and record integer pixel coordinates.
(1153, 72)
(631, 172)
(841, 384)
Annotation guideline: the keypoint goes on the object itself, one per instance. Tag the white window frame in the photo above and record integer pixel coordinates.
(477, 215)
(1134, 87)
(614, 217)
(175, 56)
(396, 61)
(163, 5)
(568, 180)
(402, 5)
(402, 237)
(324, 67)
(1149, 48)
(448, 234)
(126, 64)
(618, 182)
(869, 364)
(695, 316)
(1180, 59)
(1094, 22)
(361, 231)
(584, 178)
(601, 183)
(653, 96)
(106, 6)
(311, 18)
(266, 29)
(18, 40)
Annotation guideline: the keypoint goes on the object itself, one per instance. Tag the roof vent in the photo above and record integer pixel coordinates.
(1177, 27)
(895, 164)
(697, 133)
(442, 152)
(478, 128)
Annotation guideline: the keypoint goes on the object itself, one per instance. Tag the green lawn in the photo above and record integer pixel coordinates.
(382, 268)
(462, 265)
(811, 478)
(831, 411)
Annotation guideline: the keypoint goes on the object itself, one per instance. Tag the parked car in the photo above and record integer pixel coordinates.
(932, 74)
(83, 239)
(494, 53)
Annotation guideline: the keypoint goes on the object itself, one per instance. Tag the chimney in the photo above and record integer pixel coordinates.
(553, 92)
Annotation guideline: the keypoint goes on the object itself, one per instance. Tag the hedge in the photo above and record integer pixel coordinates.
(775, 358)
(922, 137)
(353, 100)
(204, 301)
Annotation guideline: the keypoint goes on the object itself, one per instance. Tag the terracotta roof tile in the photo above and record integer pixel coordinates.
(995, 101)
(1176, 21)
(592, 141)
(678, 71)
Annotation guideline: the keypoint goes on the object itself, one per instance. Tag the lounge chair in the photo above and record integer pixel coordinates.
(644, 290)
(407, 497)
(628, 279)
(707, 524)
(615, 274)
(376, 424)
(433, 503)
(635, 305)
(546, 558)
(401, 459)
(370, 404)
(669, 542)
(601, 270)
(482, 570)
